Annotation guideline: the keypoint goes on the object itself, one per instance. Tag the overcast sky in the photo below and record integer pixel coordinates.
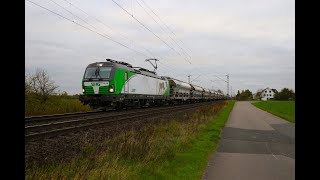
(251, 40)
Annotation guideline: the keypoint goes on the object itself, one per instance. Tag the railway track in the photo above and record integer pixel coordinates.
(57, 117)
(54, 125)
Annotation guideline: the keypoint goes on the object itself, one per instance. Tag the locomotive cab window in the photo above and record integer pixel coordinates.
(97, 72)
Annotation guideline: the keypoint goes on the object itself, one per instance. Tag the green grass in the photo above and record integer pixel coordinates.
(191, 163)
(54, 105)
(283, 109)
(175, 149)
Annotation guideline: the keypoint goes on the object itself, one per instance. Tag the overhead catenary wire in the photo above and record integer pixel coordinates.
(141, 23)
(151, 17)
(105, 36)
(121, 34)
(163, 30)
(166, 27)
(206, 76)
(97, 32)
(171, 70)
(72, 13)
(168, 69)
(99, 22)
(146, 28)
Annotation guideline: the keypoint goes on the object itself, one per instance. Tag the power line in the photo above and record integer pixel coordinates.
(227, 81)
(165, 25)
(196, 78)
(169, 69)
(146, 27)
(105, 36)
(161, 27)
(220, 78)
(121, 34)
(72, 13)
(95, 19)
(216, 76)
(152, 17)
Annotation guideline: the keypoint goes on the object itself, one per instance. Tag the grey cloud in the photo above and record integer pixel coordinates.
(253, 41)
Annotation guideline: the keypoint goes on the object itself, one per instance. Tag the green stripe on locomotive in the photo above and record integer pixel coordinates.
(119, 79)
(118, 83)
(167, 91)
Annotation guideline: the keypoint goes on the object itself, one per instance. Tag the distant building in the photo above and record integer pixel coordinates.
(257, 96)
(267, 94)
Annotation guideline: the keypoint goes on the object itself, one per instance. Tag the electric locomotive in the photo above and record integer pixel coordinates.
(116, 84)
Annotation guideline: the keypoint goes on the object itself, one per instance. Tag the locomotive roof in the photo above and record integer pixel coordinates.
(126, 66)
(103, 64)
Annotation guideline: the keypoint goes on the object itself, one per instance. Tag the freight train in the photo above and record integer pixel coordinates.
(118, 85)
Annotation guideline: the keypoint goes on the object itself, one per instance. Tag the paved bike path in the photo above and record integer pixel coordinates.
(255, 145)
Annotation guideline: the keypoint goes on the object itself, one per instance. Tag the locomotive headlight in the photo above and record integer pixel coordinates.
(82, 90)
(111, 89)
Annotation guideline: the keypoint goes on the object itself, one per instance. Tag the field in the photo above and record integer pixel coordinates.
(173, 149)
(283, 109)
(56, 104)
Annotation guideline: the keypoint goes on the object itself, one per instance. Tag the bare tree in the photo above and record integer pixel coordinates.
(27, 87)
(40, 84)
(258, 94)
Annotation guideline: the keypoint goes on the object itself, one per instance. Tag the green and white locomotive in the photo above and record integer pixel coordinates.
(117, 84)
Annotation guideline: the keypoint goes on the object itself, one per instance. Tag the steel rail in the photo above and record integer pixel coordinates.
(87, 123)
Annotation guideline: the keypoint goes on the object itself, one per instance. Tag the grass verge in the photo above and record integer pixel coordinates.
(191, 162)
(282, 109)
(174, 149)
(56, 104)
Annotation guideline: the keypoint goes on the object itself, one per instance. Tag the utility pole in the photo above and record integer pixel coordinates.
(189, 78)
(227, 85)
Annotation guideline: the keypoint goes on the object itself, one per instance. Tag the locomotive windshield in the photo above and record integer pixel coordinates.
(97, 72)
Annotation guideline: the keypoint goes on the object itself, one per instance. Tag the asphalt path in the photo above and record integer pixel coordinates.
(255, 145)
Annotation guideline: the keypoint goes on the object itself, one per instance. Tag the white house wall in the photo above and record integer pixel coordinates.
(267, 93)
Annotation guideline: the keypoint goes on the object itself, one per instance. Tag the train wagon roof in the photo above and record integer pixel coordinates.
(180, 83)
(197, 88)
(206, 90)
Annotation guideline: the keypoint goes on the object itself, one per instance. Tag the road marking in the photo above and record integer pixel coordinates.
(270, 151)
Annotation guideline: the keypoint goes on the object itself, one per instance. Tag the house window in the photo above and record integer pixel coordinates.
(265, 91)
(269, 91)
